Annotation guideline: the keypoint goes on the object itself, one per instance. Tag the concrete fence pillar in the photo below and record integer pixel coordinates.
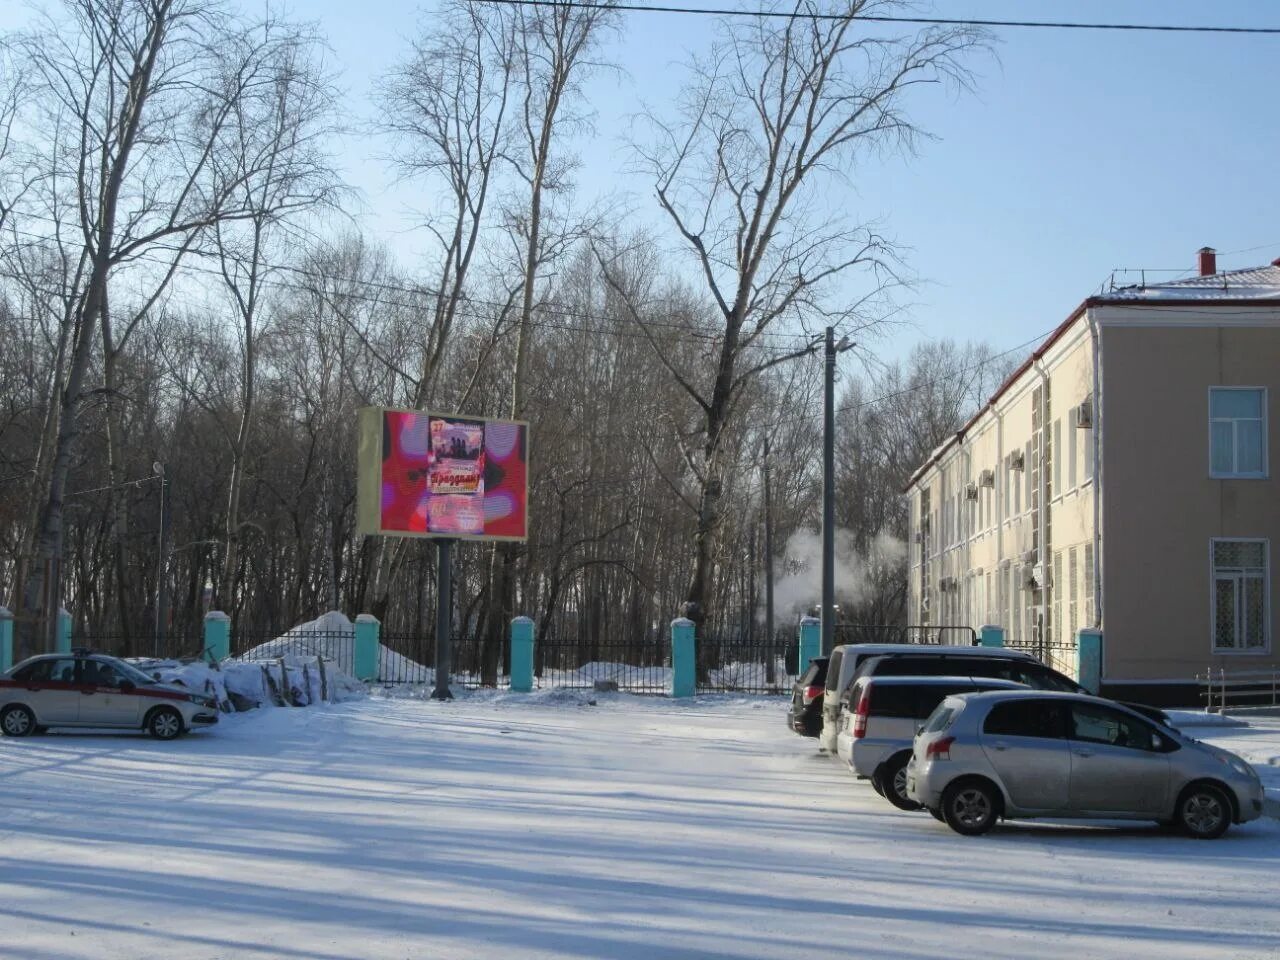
(1089, 660)
(63, 644)
(991, 636)
(684, 658)
(365, 658)
(522, 655)
(810, 643)
(6, 639)
(217, 636)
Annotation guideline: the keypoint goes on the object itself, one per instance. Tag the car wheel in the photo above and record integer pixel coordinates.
(164, 723)
(17, 721)
(1204, 812)
(970, 807)
(891, 781)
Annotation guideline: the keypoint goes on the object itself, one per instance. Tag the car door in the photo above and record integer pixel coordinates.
(1115, 764)
(49, 688)
(105, 701)
(1025, 741)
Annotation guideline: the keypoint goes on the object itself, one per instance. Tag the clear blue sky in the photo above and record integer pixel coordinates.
(1079, 153)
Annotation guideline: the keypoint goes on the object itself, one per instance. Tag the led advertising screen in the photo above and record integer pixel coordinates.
(435, 475)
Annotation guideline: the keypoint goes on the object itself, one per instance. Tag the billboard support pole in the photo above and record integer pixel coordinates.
(444, 619)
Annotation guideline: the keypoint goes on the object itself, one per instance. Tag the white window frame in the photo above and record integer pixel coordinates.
(1265, 649)
(1266, 453)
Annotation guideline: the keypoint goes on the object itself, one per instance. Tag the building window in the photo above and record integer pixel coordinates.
(1073, 445)
(1241, 607)
(1237, 432)
(1089, 585)
(1073, 591)
(1059, 588)
(1058, 489)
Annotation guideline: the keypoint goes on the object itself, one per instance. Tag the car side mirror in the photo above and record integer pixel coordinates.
(156, 676)
(919, 729)
(127, 686)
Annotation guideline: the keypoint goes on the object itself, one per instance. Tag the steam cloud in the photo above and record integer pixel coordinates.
(798, 573)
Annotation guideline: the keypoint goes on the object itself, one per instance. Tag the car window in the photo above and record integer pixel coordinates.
(941, 718)
(833, 664)
(1033, 675)
(59, 671)
(1094, 723)
(1043, 719)
(893, 700)
(100, 673)
(815, 675)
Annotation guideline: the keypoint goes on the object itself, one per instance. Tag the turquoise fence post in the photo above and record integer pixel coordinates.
(810, 643)
(1089, 660)
(522, 655)
(217, 636)
(684, 658)
(64, 631)
(991, 636)
(6, 639)
(365, 659)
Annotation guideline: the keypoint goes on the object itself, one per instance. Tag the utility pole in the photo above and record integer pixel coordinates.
(768, 551)
(829, 493)
(162, 563)
(829, 488)
(444, 619)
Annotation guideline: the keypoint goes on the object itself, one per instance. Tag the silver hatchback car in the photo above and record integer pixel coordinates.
(83, 689)
(984, 756)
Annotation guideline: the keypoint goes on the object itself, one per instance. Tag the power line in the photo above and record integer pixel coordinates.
(885, 18)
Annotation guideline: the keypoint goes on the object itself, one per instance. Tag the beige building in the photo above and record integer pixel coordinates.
(1120, 479)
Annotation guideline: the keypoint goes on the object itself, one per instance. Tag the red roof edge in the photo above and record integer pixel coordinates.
(1004, 388)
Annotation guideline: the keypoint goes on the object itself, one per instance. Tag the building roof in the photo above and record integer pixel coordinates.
(1256, 285)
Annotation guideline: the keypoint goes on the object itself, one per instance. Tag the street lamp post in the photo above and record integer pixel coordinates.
(162, 562)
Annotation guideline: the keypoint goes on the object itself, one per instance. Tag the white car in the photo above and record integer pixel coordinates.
(83, 689)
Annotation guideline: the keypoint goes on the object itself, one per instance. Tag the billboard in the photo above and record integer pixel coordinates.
(437, 475)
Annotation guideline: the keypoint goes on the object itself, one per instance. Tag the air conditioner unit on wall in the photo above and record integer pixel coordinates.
(1084, 414)
(1028, 556)
(917, 537)
(1018, 461)
(971, 491)
(987, 478)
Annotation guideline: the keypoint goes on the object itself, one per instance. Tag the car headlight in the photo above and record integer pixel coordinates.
(1238, 765)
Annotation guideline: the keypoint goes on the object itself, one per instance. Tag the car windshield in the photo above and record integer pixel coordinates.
(128, 670)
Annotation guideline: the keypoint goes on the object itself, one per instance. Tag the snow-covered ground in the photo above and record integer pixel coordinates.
(542, 826)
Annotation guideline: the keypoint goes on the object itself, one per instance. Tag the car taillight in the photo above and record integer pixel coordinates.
(811, 694)
(860, 715)
(939, 749)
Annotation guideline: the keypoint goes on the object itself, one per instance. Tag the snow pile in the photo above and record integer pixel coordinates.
(333, 637)
(292, 680)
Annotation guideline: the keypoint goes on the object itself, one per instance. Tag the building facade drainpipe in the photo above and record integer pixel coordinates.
(1096, 336)
(1043, 554)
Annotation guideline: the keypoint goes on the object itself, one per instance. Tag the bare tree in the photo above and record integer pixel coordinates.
(272, 160)
(779, 109)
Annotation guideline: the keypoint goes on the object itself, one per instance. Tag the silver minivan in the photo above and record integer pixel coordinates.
(876, 734)
(984, 756)
(847, 657)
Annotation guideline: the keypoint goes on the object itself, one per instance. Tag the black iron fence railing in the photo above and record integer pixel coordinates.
(1060, 656)
(894, 633)
(335, 645)
(120, 645)
(643, 667)
(745, 665)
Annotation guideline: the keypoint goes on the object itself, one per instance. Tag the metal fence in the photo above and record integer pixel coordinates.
(895, 633)
(120, 645)
(745, 665)
(337, 646)
(1236, 689)
(581, 665)
(1060, 656)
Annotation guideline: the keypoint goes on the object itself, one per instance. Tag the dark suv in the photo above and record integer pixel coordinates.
(804, 716)
(1030, 673)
